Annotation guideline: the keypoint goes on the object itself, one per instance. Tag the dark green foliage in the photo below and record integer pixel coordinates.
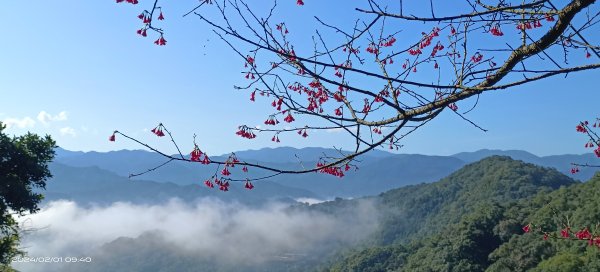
(23, 167)
(580, 203)
(378, 258)
(426, 209)
(469, 221)
(461, 247)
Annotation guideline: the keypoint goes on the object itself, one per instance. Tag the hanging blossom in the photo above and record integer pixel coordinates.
(158, 130)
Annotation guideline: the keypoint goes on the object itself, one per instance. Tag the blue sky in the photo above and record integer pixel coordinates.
(76, 70)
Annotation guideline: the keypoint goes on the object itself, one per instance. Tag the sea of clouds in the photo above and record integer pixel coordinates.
(205, 227)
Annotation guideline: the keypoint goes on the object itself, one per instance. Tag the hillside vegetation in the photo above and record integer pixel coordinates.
(472, 221)
(469, 221)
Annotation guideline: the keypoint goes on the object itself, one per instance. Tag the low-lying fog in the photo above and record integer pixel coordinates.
(225, 232)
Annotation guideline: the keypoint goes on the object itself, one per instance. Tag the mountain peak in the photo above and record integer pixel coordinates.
(469, 157)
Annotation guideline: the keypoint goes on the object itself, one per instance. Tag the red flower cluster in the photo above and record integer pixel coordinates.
(589, 144)
(135, 2)
(413, 52)
(196, 154)
(142, 32)
(231, 160)
(387, 60)
(477, 57)
(289, 118)
(337, 72)
(338, 111)
(303, 132)
(373, 49)
(574, 170)
(223, 186)
(248, 185)
(453, 106)
(367, 106)
(275, 138)
(352, 50)
(528, 25)
(377, 130)
(209, 184)
(405, 64)
(249, 61)
(300, 3)
(331, 170)
(581, 127)
(277, 103)
(565, 233)
(583, 234)
(282, 28)
(271, 121)
(347, 64)
(245, 132)
(549, 18)
(338, 96)
(495, 30)
(160, 41)
(389, 42)
(145, 17)
(112, 137)
(158, 131)
(426, 41)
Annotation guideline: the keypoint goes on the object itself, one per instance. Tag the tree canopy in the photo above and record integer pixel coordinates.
(23, 168)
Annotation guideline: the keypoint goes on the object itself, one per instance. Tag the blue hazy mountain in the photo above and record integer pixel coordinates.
(93, 185)
(379, 171)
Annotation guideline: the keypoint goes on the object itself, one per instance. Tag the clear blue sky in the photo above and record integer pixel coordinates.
(76, 70)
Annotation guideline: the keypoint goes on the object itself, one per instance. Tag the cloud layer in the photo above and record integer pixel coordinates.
(208, 227)
(28, 122)
(45, 118)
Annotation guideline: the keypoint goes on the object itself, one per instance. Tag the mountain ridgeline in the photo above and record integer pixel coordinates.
(470, 220)
(456, 223)
(379, 171)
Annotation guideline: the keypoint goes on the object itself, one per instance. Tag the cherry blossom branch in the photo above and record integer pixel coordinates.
(364, 78)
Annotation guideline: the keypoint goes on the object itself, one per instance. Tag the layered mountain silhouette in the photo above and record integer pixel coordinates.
(93, 185)
(453, 223)
(378, 171)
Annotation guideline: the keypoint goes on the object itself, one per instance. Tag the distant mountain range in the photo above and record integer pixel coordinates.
(93, 185)
(84, 175)
(459, 223)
